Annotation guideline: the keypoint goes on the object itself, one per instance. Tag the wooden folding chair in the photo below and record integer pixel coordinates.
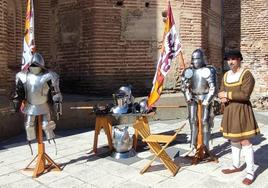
(158, 150)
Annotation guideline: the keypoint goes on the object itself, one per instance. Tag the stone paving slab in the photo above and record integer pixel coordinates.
(82, 168)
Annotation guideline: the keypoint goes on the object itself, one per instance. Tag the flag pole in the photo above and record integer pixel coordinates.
(171, 47)
(182, 65)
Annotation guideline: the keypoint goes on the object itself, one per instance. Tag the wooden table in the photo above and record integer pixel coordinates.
(105, 122)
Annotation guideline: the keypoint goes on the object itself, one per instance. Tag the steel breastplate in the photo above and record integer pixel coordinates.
(36, 94)
(122, 141)
(198, 81)
(36, 89)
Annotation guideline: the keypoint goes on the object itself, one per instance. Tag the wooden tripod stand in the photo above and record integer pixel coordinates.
(202, 151)
(44, 163)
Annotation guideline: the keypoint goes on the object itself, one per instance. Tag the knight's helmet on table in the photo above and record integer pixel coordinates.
(123, 100)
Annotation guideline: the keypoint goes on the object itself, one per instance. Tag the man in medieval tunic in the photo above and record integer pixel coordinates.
(238, 122)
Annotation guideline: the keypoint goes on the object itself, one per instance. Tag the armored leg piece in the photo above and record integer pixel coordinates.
(206, 136)
(30, 146)
(48, 129)
(56, 151)
(30, 127)
(193, 123)
(206, 125)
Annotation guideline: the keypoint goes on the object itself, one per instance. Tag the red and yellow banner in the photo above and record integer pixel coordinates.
(171, 47)
(28, 41)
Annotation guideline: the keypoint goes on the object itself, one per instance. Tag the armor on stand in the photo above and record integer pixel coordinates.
(122, 143)
(33, 88)
(199, 85)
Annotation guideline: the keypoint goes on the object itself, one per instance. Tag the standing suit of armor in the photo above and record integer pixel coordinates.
(199, 84)
(33, 87)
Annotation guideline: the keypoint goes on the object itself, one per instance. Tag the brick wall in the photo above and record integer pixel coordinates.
(211, 30)
(3, 53)
(96, 53)
(114, 45)
(98, 45)
(254, 41)
(10, 42)
(246, 28)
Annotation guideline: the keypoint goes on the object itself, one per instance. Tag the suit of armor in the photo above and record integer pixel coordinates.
(33, 88)
(199, 84)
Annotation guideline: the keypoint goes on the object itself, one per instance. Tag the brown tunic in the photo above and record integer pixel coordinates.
(238, 120)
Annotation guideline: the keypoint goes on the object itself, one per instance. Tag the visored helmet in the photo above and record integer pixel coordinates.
(126, 91)
(124, 100)
(38, 60)
(198, 59)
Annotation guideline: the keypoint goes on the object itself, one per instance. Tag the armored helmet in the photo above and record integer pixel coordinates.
(126, 92)
(143, 106)
(38, 60)
(124, 100)
(198, 59)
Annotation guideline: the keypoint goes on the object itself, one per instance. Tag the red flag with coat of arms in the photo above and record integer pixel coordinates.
(171, 47)
(28, 41)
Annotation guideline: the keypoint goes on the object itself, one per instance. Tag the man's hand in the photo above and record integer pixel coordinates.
(222, 94)
(223, 97)
(224, 100)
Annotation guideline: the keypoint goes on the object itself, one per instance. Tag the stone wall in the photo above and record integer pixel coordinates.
(97, 46)
(10, 42)
(246, 28)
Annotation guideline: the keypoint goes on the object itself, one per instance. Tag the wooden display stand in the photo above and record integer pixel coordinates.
(103, 122)
(143, 122)
(202, 151)
(44, 163)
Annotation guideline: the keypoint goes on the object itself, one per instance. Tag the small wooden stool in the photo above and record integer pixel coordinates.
(103, 122)
(140, 121)
(44, 163)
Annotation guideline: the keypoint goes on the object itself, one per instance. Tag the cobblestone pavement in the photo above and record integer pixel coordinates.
(82, 168)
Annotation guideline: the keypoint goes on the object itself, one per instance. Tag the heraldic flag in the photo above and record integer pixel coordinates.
(28, 41)
(171, 47)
